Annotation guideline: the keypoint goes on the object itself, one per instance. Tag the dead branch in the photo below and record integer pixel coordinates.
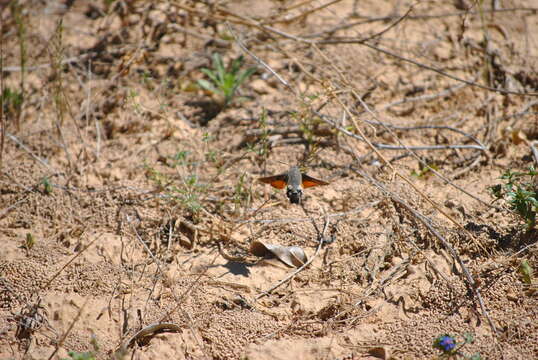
(471, 284)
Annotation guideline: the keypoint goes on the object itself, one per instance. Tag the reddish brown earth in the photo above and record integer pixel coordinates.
(148, 175)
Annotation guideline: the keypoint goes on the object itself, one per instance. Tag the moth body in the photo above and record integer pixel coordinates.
(294, 181)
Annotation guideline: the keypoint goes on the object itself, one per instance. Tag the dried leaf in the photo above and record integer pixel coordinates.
(293, 256)
(380, 352)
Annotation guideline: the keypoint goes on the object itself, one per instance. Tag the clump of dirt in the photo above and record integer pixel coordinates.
(129, 194)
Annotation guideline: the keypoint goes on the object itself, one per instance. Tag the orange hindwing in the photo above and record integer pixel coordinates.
(276, 181)
(309, 181)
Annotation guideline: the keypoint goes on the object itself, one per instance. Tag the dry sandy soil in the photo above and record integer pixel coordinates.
(121, 178)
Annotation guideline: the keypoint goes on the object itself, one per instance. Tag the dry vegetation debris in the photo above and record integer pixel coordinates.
(133, 134)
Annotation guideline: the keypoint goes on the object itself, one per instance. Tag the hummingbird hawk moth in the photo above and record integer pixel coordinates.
(294, 181)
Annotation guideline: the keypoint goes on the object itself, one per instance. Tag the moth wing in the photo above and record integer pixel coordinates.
(309, 181)
(276, 181)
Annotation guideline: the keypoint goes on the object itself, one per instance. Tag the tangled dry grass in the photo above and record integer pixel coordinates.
(129, 200)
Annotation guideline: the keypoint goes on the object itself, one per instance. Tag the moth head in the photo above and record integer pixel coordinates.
(294, 194)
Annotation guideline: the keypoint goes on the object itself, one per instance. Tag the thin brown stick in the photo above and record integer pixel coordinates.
(2, 120)
(395, 172)
(66, 333)
(34, 156)
(297, 220)
(258, 60)
(303, 14)
(413, 17)
(424, 66)
(364, 42)
(179, 300)
(471, 284)
(70, 261)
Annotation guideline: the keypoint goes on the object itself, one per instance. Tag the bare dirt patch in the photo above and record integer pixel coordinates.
(129, 200)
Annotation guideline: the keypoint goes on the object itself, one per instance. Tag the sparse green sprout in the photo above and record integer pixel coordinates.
(180, 158)
(425, 171)
(526, 272)
(520, 192)
(29, 242)
(242, 195)
(207, 137)
(187, 194)
(211, 156)
(12, 101)
(225, 81)
(74, 355)
(262, 146)
(47, 186)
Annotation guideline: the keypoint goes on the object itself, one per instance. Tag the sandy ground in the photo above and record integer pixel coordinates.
(120, 177)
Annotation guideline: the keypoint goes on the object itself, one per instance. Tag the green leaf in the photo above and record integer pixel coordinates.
(468, 337)
(207, 86)
(211, 74)
(218, 65)
(245, 75)
(236, 65)
(526, 272)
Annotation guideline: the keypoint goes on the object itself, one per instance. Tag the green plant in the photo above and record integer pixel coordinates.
(520, 192)
(12, 101)
(225, 81)
(187, 193)
(526, 272)
(262, 146)
(74, 355)
(425, 171)
(47, 186)
(242, 195)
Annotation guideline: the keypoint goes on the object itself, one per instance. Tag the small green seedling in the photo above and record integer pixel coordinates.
(225, 81)
(29, 242)
(88, 355)
(425, 171)
(73, 355)
(526, 272)
(47, 186)
(11, 101)
(520, 192)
